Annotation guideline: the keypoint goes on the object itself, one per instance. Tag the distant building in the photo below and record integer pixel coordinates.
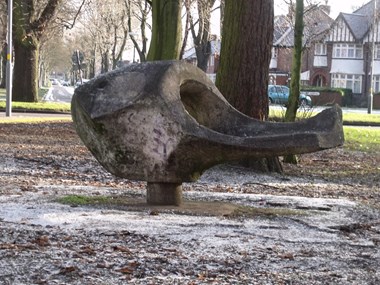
(213, 61)
(317, 24)
(349, 51)
(338, 53)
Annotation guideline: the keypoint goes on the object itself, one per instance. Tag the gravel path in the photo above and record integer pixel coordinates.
(304, 227)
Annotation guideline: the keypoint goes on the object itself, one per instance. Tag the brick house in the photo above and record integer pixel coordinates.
(314, 68)
(349, 52)
(213, 61)
(341, 54)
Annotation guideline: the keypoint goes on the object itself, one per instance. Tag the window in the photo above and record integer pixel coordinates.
(350, 81)
(348, 51)
(376, 83)
(274, 52)
(377, 52)
(320, 49)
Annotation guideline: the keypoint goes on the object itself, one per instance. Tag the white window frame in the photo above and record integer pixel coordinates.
(320, 49)
(351, 81)
(348, 51)
(377, 52)
(376, 83)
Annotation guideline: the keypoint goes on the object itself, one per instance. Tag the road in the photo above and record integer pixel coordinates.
(58, 93)
(64, 94)
(321, 108)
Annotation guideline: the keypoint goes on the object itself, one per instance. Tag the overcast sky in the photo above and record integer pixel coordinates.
(280, 8)
(337, 6)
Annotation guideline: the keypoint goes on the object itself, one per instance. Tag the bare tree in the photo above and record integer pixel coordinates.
(200, 29)
(107, 22)
(243, 73)
(3, 43)
(32, 20)
(139, 11)
(166, 30)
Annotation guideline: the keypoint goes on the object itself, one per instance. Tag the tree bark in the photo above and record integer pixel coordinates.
(25, 87)
(203, 52)
(295, 82)
(165, 45)
(28, 30)
(202, 37)
(293, 101)
(243, 73)
(245, 55)
(3, 66)
(166, 30)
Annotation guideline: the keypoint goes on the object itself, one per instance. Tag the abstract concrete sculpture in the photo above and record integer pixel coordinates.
(165, 123)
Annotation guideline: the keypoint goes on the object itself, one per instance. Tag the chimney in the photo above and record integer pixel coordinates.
(325, 8)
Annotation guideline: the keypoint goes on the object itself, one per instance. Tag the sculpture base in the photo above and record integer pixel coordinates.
(164, 194)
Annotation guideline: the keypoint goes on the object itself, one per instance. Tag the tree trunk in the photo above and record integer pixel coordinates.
(245, 55)
(203, 52)
(243, 73)
(293, 101)
(25, 87)
(166, 30)
(295, 81)
(28, 28)
(3, 69)
(165, 45)
(105, 66)
(202, 37)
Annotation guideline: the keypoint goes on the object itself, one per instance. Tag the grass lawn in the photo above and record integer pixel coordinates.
(348, 118)
(365, 139)
(39, 107)
(2, 94)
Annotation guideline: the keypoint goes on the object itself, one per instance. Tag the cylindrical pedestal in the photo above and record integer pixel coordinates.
(164, 194)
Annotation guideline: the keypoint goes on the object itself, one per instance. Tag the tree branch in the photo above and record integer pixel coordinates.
(69, 25)
(47, 14)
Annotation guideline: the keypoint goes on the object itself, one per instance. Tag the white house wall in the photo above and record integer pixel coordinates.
(340, 32)
(376, 67)
(347, 66)
(369, 36)
(320, 60)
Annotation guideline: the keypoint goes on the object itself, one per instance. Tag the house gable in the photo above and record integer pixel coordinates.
(345, 29)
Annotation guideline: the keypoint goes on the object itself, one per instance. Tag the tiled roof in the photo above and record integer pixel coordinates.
(316, 23)
(215, 49)
(358, 24)
(367, 9)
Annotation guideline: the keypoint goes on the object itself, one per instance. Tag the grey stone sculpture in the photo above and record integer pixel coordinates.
(165, 123)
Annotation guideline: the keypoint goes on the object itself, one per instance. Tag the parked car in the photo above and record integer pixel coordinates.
(279, 94)
(54, 81)
(65, 83)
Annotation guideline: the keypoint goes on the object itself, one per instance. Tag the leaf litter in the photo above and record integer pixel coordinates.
(335, 239)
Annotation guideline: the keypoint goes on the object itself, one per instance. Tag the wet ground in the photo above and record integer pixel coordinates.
(307, 226)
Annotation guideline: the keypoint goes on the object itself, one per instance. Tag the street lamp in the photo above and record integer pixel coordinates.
(8, 106)
(371, 85)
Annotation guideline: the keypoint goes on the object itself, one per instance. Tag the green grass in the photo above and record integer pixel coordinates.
(2, 94)
(348, 118)
(33, 120)
(39, 107)
(362, 139)
(80, 200)
(41, 93)
(358, 118)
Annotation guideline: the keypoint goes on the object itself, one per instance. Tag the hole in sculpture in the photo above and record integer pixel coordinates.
(202, 104)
